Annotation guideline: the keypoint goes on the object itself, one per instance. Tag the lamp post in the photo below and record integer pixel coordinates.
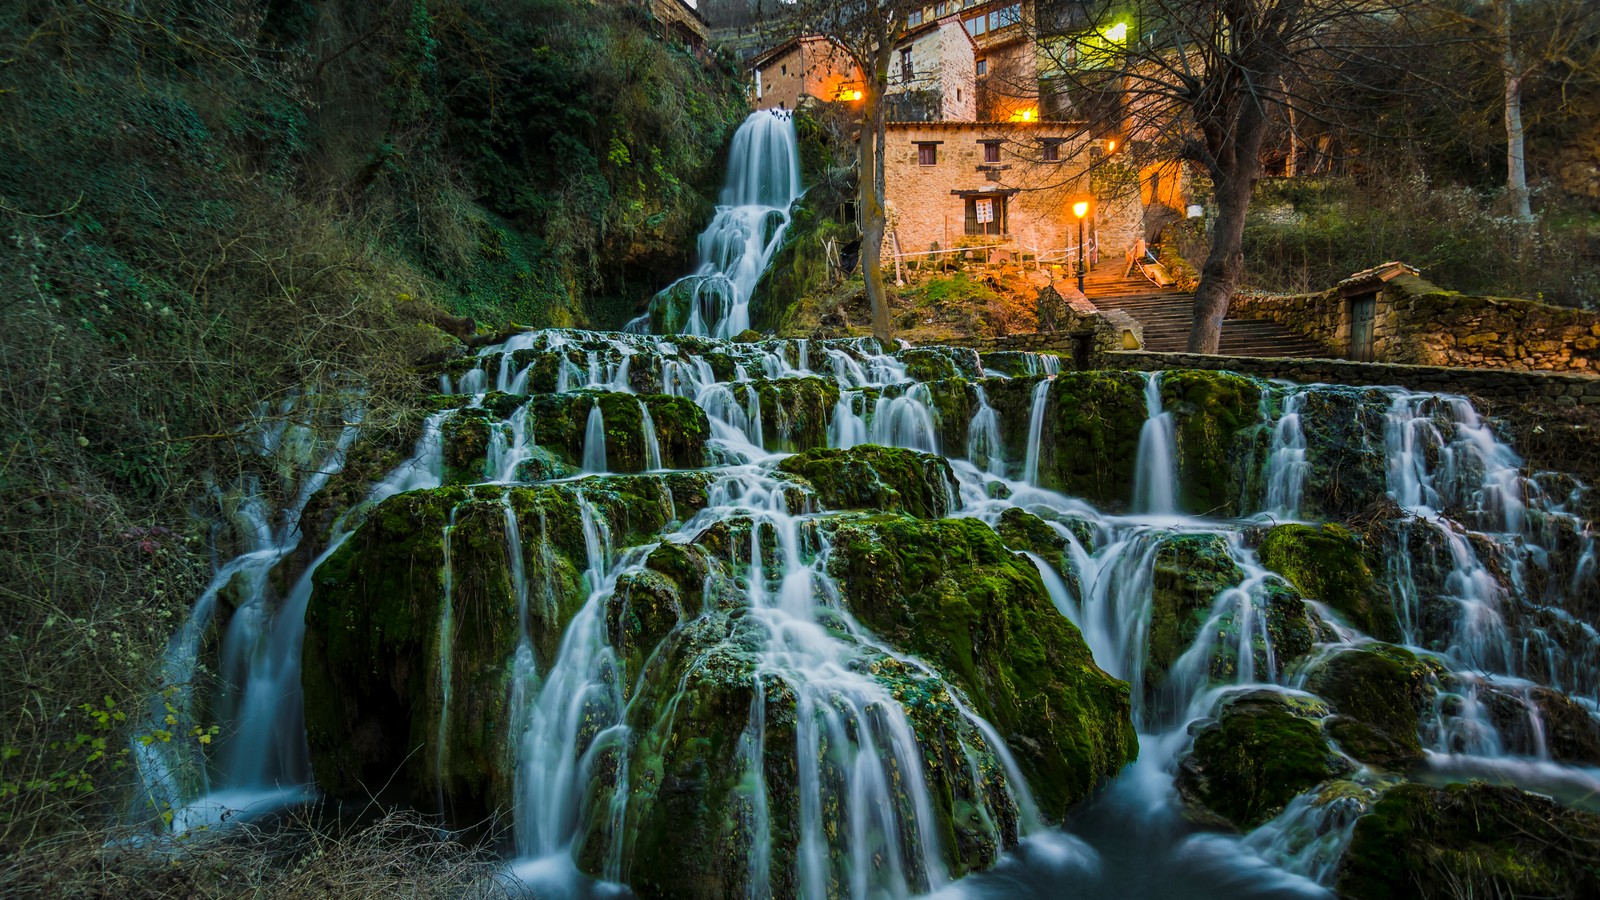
(1081, 209)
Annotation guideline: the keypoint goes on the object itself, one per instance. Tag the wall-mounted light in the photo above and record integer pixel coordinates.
(1111, 145)
(1117, 32)
(1024, 115)
(1081, 208)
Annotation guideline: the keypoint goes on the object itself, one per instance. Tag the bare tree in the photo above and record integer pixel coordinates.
(867, 31)
(1204, 81)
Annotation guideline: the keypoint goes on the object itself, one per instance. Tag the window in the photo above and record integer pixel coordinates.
(1051, 152)
(783, 69)
(1006, 17)
(978, 25)
(905, 64)
(986, 215)
(928, 154)
(983, 67)
(913, 19)
(939, 9)
(991, 151)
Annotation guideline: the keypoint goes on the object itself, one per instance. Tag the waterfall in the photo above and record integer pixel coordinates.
(752, 214)
(1030, 465)
(1155, 477)
(594, 440)
(983, 438)
(652, 447)
(1286, 460)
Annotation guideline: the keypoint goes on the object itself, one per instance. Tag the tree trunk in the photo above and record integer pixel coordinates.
(1223, 265)
(869, 191)
(1516, 168)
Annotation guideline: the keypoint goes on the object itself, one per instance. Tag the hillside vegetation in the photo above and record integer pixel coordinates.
(213, 208)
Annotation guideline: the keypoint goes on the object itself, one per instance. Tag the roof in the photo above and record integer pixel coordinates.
(766, 56)
(1377, 275)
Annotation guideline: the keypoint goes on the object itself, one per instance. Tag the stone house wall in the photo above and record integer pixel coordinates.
(808, 67)
(1420, 324)
(941, 86)
(1039, 195)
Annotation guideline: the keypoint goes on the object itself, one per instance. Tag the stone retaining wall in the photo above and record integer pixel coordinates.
(1418, 323)
(1082, 330)
(1556, 389)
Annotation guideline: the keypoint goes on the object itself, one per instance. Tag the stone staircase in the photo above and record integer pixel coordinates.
(1167, 314)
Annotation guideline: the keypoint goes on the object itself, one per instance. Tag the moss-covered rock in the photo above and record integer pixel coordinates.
(1326, 563)
(466, 445)
(1534, 719)
(1379, 692)
(1474, 840)
(1215, 414)
(560, 422)
(1344, 431)
(1090, 440)
(876, 478)
(373, 654)
(949, 591)
(1190, 570)
(934, 363)
(1015, 363)
(1262, 750)
(795, 411)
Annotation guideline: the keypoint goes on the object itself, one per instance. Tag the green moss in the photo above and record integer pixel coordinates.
(1345, 455)
(1379, 691)
(1190, 570)
(466, 446)
(1215, 415)
(795, 411)
(876, 478)
(949, 591)
(1262, 751)
(935, 363)
(1326, 563)
(1090, 440)
(1474, 840)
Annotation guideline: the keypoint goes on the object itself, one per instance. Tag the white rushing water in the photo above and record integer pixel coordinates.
(1476, 588)
(752, 214)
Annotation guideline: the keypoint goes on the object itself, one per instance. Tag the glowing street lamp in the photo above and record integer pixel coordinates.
(1081, 209)
(1117, 32)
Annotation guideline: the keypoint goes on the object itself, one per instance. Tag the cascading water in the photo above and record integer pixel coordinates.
(848, 781)
(1156, 478)
(752, 214)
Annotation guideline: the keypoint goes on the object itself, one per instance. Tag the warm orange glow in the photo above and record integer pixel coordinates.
(1111, 146)
(1024, 115)
(1081, 208)
(856, 96)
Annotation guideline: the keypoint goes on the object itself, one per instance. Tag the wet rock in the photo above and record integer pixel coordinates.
(1474, 840)
(1326, 563)
(1215, 414)
(1379, 692)
(1262, 750)
(878, 478)
(950, 592)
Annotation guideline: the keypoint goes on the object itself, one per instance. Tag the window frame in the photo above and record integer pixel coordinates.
(927, 153)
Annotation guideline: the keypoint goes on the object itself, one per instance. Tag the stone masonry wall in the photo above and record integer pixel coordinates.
(1418, 323)
(1504, 385)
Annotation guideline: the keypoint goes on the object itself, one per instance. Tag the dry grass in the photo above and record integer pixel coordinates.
(398, 855)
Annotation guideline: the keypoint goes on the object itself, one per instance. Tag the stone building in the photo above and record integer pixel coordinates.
(682, 22)
(813, 67)
(931, 76)
(1011, 186)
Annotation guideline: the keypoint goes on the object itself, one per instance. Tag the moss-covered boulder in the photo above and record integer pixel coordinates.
(1344, 431)
(1263, 749)
(1090, 440)
(375, 661)
(465, 437)
(1379, 692)
(1215, 415)
(559, 424)
(1326, 563)
(934, 363)
(950, 592)
(1474, 840)
(795, 412)
(876, 478)
(1190, 570)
